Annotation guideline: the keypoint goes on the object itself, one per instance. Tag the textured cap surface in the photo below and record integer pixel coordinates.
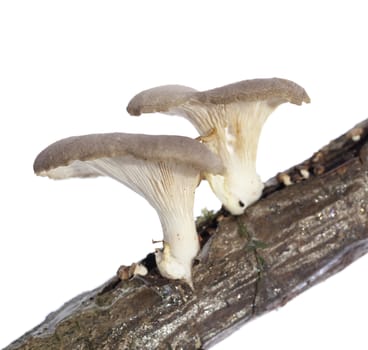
(167, 98)
(254, 90)
(140, 146)
(159, 99)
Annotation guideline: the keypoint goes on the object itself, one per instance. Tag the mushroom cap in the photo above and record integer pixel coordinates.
(159, 99)
(145, 147)
(166, 98)
(256, 90)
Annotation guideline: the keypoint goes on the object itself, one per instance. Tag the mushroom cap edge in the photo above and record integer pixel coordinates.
(154, 147)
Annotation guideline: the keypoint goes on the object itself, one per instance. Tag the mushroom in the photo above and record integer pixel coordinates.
(229, 120)
(129, 272)
(165, 170)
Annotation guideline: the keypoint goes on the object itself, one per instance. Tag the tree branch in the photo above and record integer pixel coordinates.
(293, 238)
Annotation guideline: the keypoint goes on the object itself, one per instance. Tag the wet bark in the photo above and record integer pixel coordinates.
(293, 238)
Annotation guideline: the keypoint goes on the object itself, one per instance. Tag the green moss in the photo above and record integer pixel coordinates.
(253, 246)
(243, 231)
(207, 215)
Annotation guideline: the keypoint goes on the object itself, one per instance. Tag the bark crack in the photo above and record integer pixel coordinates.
(253, 246)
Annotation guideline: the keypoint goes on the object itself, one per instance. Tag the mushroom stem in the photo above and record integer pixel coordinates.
(170, 190)
(236, 142)
(181, 236)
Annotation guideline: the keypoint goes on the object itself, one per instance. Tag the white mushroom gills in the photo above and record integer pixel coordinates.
(235, 140)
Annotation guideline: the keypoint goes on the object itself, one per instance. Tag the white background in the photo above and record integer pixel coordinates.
(70, 68)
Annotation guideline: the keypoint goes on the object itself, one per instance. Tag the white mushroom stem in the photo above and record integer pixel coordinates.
(237, 130)
(169, 187)
(179, 229)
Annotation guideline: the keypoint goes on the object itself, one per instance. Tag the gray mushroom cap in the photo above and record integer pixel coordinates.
(145, 147)
(159, 99)
(168, 97)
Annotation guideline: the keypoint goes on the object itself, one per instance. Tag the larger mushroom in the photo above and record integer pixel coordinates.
(229, 120)
(163, 169)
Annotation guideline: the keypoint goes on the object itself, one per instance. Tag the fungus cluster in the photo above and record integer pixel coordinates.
(229, 120)
(166, 170)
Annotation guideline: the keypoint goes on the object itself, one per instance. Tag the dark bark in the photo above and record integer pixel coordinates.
(293, 238)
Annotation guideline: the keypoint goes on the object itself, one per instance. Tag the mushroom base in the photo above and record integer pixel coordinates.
(181, 244)
(238, 190)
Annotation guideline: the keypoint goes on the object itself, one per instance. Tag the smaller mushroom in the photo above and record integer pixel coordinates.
(356, 134)
(129, 272)
(305, 173)
(285, 179)
(229, 120)
(165, 170)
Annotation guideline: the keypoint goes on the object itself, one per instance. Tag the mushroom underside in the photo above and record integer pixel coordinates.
(168, 186)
